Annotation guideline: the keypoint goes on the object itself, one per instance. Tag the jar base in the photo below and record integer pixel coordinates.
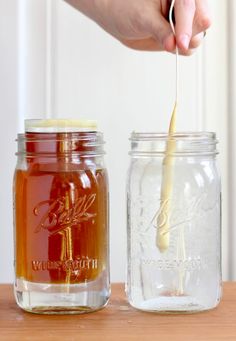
(44, 298)
(172, 305)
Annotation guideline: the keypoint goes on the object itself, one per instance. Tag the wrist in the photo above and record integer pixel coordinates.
(83, 6)
(91, 8)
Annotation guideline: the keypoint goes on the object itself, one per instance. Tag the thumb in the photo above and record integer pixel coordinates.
(161, 31)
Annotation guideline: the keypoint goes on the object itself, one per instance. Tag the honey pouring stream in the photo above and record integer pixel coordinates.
(163, 219)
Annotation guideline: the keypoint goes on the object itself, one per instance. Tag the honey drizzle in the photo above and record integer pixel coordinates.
(163, 234)
(163, 230)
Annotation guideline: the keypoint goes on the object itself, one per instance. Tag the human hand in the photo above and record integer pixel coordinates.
(143, 24)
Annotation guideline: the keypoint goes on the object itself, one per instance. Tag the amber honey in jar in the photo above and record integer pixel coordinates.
(61, 218)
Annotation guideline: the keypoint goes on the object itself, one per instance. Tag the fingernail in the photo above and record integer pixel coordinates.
(184, 39)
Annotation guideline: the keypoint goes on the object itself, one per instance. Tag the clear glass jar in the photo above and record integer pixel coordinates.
(174, 223)
(61, 218)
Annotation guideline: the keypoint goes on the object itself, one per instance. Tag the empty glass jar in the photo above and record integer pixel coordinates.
(174, 223)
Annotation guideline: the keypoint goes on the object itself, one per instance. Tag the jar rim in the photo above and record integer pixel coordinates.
(149, 136)
(59, 136)
(182, 144)
(60, 143)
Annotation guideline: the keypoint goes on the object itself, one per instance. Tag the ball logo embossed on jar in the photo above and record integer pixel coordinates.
(58, 216)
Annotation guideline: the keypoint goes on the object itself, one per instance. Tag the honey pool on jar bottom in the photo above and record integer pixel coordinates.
(61, 224)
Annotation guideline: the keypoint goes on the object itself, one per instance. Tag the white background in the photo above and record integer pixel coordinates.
(57, 63)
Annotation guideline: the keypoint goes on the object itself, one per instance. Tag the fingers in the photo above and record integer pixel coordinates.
(192, 20)
(184, 16)
(161, 31)
(202, 19)
(196, 40)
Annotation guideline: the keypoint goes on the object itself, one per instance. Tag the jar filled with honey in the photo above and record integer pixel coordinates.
(61, 218)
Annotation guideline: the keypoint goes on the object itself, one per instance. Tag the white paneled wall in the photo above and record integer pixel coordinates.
(32, 59)
(231, 62)
(69, 67)
(216, 112)
(8, 126)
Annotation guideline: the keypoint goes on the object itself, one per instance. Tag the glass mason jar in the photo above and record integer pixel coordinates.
(61, 218)
(174, 223)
